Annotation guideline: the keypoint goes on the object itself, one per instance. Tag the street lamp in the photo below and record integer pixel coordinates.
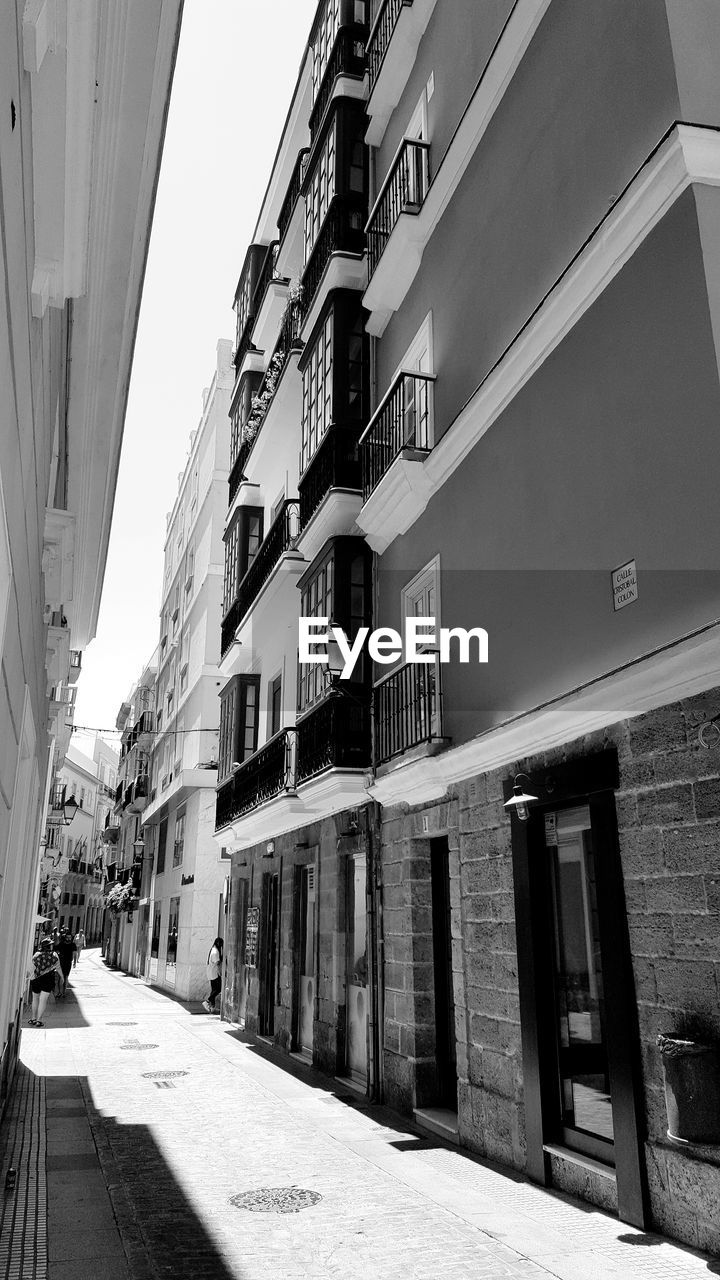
(70, 808)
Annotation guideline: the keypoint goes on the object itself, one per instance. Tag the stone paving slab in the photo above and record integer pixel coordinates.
(141, 1171)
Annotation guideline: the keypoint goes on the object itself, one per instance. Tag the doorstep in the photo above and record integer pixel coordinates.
(438, 1120)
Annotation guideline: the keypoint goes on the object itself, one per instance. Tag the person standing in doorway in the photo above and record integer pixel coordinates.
(79, 944)
(45, 964)
(66, 951)
(214, 967)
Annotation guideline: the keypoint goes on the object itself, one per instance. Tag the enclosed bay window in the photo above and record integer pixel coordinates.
(334, 368)
(337, 586)
(324, 38)
(320, 190)
(238, 722)
(317, 391)
(242, 540)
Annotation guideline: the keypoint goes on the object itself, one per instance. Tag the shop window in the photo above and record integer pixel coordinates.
(179, 846)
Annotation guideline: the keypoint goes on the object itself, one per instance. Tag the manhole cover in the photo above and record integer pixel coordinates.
(138, 1047)
(162, 1075)
(276, 1199)
(121, 1024)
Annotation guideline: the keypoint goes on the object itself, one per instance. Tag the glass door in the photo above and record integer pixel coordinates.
(585, 1104)
(357, 970)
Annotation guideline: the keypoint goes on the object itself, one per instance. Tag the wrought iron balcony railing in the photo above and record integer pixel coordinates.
(401, 421)
(336, 735)
(403, 191)
(341, 232)
(346, 59)
(293, 192)
(335, 465)
(407, 709)
(281, 537)
(264, 775)
(383, 26)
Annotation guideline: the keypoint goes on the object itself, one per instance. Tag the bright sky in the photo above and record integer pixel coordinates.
(236, 71)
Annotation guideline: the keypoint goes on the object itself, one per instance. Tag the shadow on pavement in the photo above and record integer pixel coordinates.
(114, 1205)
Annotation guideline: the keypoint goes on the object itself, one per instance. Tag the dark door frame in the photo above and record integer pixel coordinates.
(445, 1034)
(269, 925)
(592, 780)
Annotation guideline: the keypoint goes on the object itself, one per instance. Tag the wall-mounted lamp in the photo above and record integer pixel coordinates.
(235, 766)
(520, 799)
(336, 661)
(269, 849)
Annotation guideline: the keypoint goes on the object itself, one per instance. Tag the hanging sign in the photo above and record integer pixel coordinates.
(624, 585)
(551, 837)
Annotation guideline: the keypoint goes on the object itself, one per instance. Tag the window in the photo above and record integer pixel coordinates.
(417, 402)
(179, 845)
(320, 192)
(172, 936)
(242, 541)
(162, 842)
(421, 597)
(238, 722)
(317, 602)
(242, 305)
(66, 899)
(81, 900)
(275, 706)
(190, 569)
(325, 37)
(317, 392)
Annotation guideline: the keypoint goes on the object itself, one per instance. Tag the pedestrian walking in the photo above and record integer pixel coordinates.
(66, 951)
(79, 941)
(46, 963)
(214, 965)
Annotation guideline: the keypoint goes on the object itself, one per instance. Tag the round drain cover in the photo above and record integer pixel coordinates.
(162, 1075)
(276, 1199)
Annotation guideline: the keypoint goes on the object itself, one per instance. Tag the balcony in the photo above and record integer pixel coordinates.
(264, 775)
(401, 422)
(346, 59)
(281, 537)
(397, 29)
(288, 341)
(291, 219)
(341, 233)
(269, 301)
(140, 794)
(335, 465)
(336, 735)
(407, 710)
(75, 664)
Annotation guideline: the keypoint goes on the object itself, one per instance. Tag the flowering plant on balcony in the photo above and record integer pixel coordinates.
(120, 898)
(260, 403)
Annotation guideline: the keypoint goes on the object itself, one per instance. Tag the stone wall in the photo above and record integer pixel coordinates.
(668, 812)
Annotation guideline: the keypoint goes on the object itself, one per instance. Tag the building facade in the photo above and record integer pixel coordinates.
(85, 96)
(124, 851)
(292, 802)
(540, 295)
(481, 284)
(183, 910)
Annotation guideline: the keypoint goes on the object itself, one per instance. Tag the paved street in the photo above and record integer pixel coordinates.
(153, 1118)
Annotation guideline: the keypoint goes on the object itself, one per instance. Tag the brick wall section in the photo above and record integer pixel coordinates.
(668, 811)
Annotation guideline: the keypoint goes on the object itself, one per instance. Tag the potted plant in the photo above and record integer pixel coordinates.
(691, 1068)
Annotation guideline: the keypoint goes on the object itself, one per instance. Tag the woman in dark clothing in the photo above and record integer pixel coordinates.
(66, 949)
(45, 964)
(214, 968)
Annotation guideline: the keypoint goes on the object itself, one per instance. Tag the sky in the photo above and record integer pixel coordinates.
(237, 66)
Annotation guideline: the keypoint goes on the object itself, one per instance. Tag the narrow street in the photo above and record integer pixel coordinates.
(153, 1121)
